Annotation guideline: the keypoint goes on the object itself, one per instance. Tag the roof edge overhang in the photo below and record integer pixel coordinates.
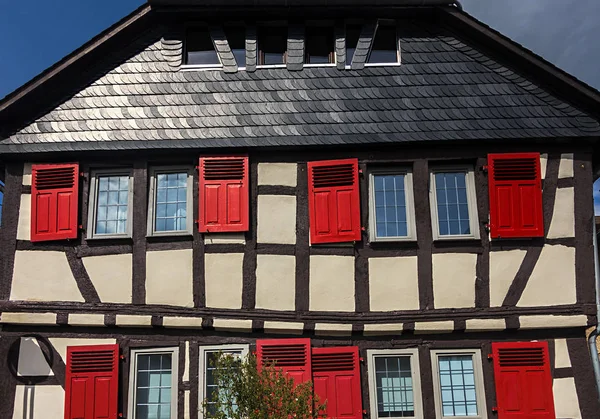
(299, 3)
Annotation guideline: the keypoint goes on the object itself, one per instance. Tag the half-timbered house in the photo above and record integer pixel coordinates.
(388, 198)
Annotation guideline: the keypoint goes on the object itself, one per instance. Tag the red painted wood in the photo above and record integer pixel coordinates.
(333, 201)
(92, 382)
(54, 201)
(224, 194)
(293, 356)
(523, 380)
(515, 194)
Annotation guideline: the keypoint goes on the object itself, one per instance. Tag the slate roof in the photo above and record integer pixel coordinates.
(444, 89)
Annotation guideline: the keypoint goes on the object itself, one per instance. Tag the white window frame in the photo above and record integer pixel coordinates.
(398, 50)
(93, 208)
(471, 202)
(410, 205)
(479, 383)
(335, 58)
(199, 67)
(414, 370)
(174, 351)
(152, 190)
(244, 348)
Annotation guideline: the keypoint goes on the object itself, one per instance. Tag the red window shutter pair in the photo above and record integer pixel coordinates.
(54, 201)
(515, 189)
(224, 194)
(523, 380)
(335, 372)
(92, 382)
(334, 202)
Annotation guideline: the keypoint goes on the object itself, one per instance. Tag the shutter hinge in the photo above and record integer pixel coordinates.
(484, 168)
(122, 357)
(487, 226)
(495, 409)
(490, 356)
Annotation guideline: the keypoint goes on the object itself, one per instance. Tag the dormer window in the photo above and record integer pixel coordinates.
(236, 37)
(272, 44)
(352, 37)
(385, 46)
(320, 43)
(200, 49)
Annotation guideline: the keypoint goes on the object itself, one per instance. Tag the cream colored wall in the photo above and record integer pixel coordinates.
(454, 280)
(61, 344)
(111, 276)
(223, 277)
(565, 169)
(504, 265)
(563, 217)
(169, 278)
(393, 284)
(566, 403)
(282, 174)
(331, 283)
(276, 219)
(31, 359)
(275, 282)
(24, 223)
(39, 402)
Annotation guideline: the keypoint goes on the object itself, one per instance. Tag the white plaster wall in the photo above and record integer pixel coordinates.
(333, 329)
(276, 219)
(293, 328)
(504, 265)
(48, 319)
(233, 324)
(563, 217)
(169, 278)
(331, 283)
(224, 238)
(60, 344)
(393, 283)
(479, 325)
(283, 174)
(80, 319)
(275, 282)
(565, 169)
(31, 359)
(566, 403)
(24, 224)
(133, 320)
(383, 329)
(27, 174)
(111, 276)
(543, 164)
(223, 276)
(43, 276)
(552, 281)
(561, 354)
(454, 280)
(39, 402)
(444, 326)
(183, 322)
(550, 321)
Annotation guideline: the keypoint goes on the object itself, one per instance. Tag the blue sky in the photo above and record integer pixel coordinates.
(34, 34)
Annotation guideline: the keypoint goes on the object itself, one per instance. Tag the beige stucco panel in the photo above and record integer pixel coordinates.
(454, 280)
(224, 238)
(223, 276)
(504, 265)
(275, 282)
(111, 276)
(331, 283)
(563, 217)
(233, 324)
(479, 325)
(133, 320)
(27, 174)
(444, 326)
(566, 403)
(24, 224)
(48, 319)
(39, 402)
(183, 322)
(293, 328)
(81, 319)
(393, 283)
(561, 354)
(550, 321)
(169, 278)
(31, 359)
(552, 281)
(565, 169)
(276, 219)
(543, 164)
(383, 329)
(60, 344)
(43, 276)
(333, 329)
(282, 174)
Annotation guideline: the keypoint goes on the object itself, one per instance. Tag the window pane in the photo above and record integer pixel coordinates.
(112, 204)
(153, 386)
(385, 46)
(236, 37)
(200, 48)
(352, 36)
(319, 45)
(210, 388)
(457, 385)
(272, 42)
(452, 204)
(171, 202)
(394, 387)
(390, 205)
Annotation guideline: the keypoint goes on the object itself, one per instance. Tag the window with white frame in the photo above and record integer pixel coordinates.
(153, 383)
(208, 386)
(385, 48)
(110, 204)
(200, 49)
(394, 384)
(453, 203)
(170, 201)
(391, 206)
(458, 383)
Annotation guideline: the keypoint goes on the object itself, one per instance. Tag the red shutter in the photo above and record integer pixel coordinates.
(336, 379)
(223, 195)
(333, 201)
(54, 201)
(523, 380)
(92, 382)
(291, 355)
(515, 186)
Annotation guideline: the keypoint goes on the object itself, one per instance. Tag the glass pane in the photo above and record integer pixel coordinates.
(394, 387)
(112, 204)
(385, 46)
(200, 48)
(319, 45)
(457, 385)
(153, 392)
(452, 204)
(171, 202)
(272, 42)
(390, 205)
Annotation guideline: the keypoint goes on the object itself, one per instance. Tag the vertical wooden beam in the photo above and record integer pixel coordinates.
(424, 234)
(140, 209)
(8, 231)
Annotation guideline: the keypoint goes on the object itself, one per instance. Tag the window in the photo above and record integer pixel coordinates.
(352, 37)
(394, 383)
(385, 46)
(208, 355)
(453, 203)
(272, 45)
(320, 43)
(170, 203)
(153, 383)
(111, 199)
(458, 383)
(200, 49)
(236, 38)
(391, 206)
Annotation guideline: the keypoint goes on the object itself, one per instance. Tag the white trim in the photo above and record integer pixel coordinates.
(271, 66)
(410, 205)
(398, 61)
(93, 198)
(321, 65)
(471, 202)
(414, 370)
(479, 386)
(244, 348)
(189, 222)
(201, 67)
(174, 351)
